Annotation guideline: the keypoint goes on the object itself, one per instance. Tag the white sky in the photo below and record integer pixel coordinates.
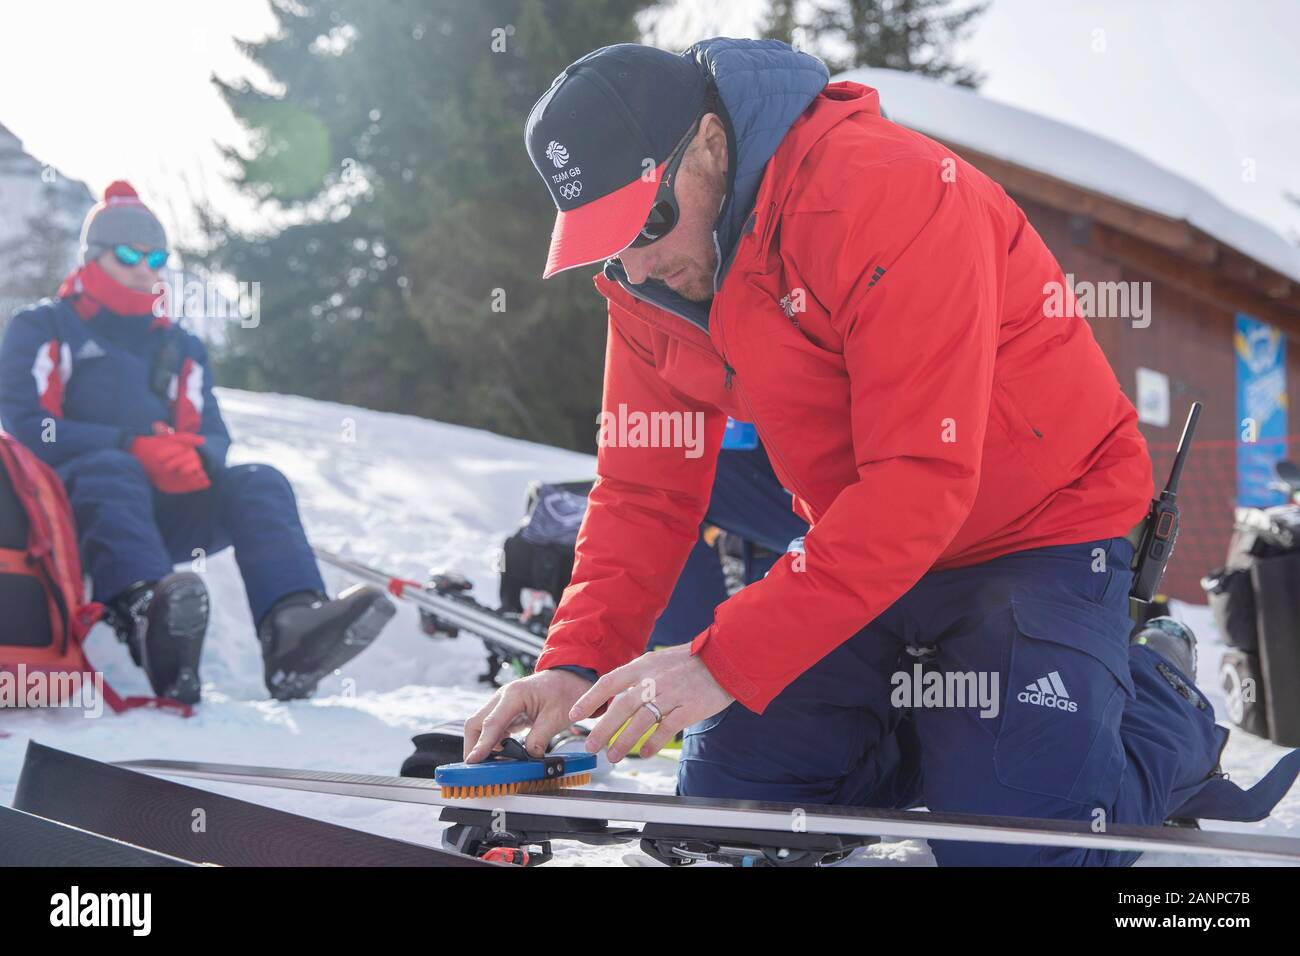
(120, 88)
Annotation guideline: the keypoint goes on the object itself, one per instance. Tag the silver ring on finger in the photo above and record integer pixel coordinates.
(655, 711)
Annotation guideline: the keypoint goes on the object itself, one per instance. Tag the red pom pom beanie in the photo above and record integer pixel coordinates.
(120, 218)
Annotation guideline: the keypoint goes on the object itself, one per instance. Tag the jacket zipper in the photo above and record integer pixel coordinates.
(729, 382)
(762, 434)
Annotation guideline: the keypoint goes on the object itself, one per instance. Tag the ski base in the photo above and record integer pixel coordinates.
(193, 825)
(30, 840)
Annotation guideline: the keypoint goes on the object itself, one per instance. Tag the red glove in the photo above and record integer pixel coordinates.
(170, 461)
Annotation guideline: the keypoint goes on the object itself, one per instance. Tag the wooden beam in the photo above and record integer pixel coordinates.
(1242, 268)
(1199, 281)
(1187, 241)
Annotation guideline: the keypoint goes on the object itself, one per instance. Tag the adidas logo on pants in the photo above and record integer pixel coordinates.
(1048, 691)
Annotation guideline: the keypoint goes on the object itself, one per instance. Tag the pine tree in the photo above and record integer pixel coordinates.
(779, 22)
(37, 259)
(912, 35)
(403, 271)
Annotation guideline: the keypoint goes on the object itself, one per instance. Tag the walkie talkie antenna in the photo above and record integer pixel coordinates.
(1160, 529)
(1184, 446)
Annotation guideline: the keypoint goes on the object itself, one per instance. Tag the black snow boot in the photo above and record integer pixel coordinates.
(1176, 645)
(1172, 640)
(163, 623)
(306, 636)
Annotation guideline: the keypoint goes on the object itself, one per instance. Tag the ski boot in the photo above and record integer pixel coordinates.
(163, 624)
(306, 636)
(1172, 640)
(1175, 643)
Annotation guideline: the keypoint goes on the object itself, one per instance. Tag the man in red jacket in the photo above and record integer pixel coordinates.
(954, 628)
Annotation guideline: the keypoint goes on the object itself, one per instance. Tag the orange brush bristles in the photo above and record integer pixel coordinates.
(510, 789)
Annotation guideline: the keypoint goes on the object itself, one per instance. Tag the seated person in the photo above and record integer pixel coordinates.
(103, 387)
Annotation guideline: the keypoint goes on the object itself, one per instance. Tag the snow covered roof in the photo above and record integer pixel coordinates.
(963, 117)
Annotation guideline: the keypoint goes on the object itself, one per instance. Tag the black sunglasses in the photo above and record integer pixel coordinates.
(664, 213)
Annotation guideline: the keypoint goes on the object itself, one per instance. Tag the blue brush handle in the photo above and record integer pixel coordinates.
(512, 765)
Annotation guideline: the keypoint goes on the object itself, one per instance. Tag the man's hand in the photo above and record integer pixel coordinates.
(671, 681)
(541, 701)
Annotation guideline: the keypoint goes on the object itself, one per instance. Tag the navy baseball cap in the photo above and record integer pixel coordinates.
(601, 137)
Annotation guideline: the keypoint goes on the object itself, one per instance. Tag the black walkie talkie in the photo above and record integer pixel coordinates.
(1160, 530)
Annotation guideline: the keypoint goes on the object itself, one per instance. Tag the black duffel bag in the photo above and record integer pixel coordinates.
(539, 556)
(1232, 602)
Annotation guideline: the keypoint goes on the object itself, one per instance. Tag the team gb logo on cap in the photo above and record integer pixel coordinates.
(557, 154)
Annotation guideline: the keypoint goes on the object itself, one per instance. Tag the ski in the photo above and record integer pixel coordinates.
(581, 815)
(507, 637)
(127, 812)
(30, 840)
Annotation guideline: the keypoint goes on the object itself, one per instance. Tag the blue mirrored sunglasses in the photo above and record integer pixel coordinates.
(157, 258)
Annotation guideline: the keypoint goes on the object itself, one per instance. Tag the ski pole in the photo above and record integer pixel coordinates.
(459, 612)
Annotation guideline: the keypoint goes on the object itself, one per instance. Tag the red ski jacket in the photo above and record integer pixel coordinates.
(883, 326)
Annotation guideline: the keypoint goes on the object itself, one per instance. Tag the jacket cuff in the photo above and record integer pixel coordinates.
(724, 670)
(579, 657)
(586, 673)
(211, 457)
(576, 658)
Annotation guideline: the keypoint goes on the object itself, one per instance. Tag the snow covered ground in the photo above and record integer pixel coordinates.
(406, 494)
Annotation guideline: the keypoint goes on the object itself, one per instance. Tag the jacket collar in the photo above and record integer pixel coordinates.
(90, 291)
(836, 103)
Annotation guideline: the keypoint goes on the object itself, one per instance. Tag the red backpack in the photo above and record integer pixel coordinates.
(44, 616)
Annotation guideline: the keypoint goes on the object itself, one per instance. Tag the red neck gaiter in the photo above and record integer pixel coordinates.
(90, 289)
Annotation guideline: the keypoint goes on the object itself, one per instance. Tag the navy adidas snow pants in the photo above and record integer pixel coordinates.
(130, 532)
(1083, 724)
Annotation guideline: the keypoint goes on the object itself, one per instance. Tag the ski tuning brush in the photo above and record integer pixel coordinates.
(513, 770)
